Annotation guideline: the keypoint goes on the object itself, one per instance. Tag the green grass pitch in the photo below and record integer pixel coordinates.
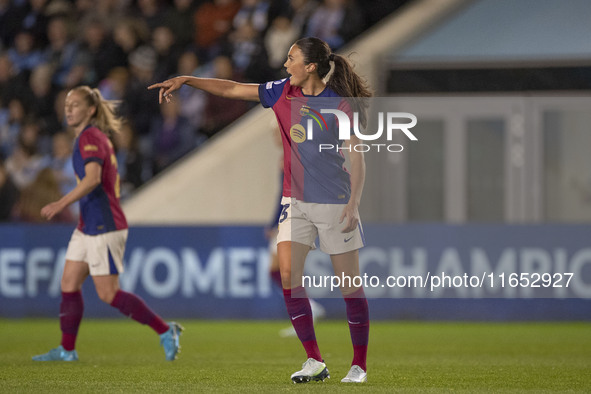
(249, 356)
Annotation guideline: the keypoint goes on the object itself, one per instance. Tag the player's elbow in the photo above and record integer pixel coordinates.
(93, 180)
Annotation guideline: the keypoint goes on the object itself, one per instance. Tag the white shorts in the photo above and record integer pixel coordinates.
(302, 222)
(273, 243)
(103, 252)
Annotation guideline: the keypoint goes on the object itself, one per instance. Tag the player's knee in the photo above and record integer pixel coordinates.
(286, 278)
(69, 285)
(106, 295)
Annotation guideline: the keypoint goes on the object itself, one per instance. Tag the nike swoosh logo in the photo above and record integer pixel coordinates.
(348, 239)
(295, 317)
(353, 322)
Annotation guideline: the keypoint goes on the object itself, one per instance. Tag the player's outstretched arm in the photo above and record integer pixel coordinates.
(218, 87)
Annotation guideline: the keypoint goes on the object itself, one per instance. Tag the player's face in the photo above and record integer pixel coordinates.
(78, 112)
(296, 67)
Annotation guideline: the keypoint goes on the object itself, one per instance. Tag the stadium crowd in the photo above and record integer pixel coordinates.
(122, 46)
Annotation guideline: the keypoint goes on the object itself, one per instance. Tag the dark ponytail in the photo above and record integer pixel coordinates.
(344, 81)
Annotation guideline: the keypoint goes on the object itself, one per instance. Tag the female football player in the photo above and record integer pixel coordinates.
(320, 198)
(97, 245)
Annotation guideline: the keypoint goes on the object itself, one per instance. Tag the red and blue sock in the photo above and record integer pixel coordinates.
(300, 313)
(358, 318)
(71, 311)
(133, 306)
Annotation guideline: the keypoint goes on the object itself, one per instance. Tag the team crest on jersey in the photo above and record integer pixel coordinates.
(307, 111)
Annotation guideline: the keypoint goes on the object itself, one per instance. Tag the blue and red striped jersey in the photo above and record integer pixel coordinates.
(310, 175)
(100, 211)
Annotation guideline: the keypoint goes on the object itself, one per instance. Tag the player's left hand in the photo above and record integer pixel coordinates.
(351, 215)
(51, 209)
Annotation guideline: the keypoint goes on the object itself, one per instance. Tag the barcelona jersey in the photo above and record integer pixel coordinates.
(100, 211)
(312, 174)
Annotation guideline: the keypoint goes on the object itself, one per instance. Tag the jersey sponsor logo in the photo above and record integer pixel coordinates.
(92, 148)
(297, 132)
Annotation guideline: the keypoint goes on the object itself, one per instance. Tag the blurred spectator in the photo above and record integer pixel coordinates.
(42, 191)
(25, 162)
(254, 13)
(132, 171)
(335, 21)
(32, 17)
(10, 82)
(172, 136)
(61, 162)
(212, 22)
(140, 104)
(129, 34)
(104, 53)
(23, 55)
(107, 8)
(55, 8)
(179, 18)
(192, 100)
(57, 122)
(302, 10)
(84, 8)
(9, 23)
(248, 54)
(167, 52)
(40, 96)
(151, 12)
(11, 121)
(7, 137)
(279, 38)
(113, 87)
(69, 63)
(8, 194)
(219, 111)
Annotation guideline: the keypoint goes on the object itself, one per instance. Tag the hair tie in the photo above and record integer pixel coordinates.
(331, 57)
